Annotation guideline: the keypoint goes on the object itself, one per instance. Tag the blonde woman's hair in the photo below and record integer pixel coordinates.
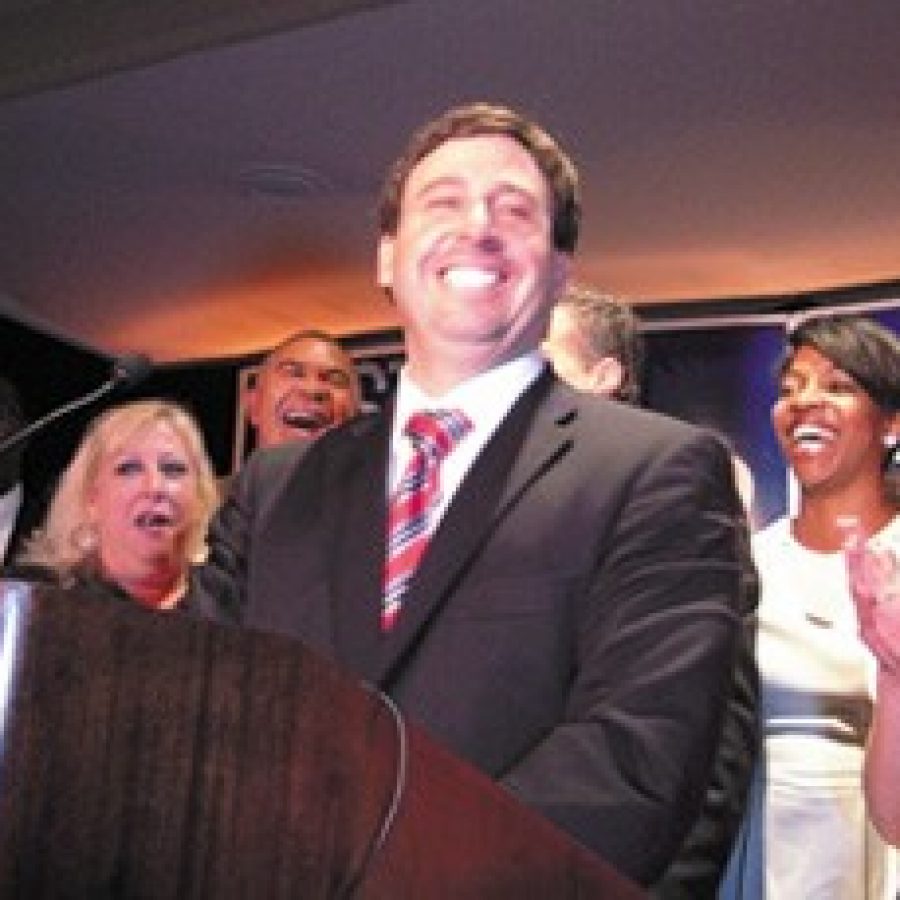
(61, 543)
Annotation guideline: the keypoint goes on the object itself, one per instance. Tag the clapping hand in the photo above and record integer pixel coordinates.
(874, 576)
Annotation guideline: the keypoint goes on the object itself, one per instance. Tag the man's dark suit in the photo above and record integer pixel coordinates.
(572, 628)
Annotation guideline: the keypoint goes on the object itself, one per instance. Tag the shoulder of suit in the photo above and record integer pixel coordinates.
(267, 468)
(277, 458)
(602, 425)
(596, 411)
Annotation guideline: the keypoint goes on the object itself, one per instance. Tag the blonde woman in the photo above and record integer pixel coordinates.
(131, 510)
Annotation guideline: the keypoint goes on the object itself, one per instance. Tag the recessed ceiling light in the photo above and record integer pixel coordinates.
(284, 180)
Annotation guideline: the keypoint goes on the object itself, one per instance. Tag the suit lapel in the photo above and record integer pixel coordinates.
(529, 441)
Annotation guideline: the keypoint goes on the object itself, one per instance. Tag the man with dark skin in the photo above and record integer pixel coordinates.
(304, 386)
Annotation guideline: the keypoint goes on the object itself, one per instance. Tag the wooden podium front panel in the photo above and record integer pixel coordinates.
(148, 756)
(459, 836)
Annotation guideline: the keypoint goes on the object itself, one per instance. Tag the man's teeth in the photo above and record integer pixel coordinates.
(811, 435)
(304, 420)
(468, 278)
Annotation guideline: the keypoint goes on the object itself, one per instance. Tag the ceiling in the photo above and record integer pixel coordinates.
(197, 179)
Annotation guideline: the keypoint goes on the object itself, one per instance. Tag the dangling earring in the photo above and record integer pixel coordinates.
(85, 538)
(892, 446)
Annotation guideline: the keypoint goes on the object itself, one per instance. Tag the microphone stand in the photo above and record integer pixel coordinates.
(127, 372)
(24, 433)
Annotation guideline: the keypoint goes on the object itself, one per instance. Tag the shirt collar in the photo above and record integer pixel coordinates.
(484, 398)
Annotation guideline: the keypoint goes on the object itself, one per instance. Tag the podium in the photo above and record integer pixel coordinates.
(154, 756)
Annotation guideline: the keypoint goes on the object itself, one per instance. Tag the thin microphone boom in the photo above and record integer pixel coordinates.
(127, 372)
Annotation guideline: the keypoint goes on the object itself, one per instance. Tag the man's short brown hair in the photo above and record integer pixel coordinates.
(485, 118)
(608, 327)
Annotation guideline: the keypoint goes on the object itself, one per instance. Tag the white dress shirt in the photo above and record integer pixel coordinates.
(485, 399)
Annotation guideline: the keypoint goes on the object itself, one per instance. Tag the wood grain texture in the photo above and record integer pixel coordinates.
(155, 756)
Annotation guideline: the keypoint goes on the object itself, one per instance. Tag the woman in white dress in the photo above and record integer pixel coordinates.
(808, 833)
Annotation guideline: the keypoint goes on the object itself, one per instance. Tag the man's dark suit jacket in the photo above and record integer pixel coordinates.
(572, 628)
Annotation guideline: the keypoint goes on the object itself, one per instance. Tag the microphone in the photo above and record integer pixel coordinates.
(130, 370)
(127, 371)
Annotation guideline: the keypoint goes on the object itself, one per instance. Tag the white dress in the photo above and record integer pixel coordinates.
(818, 680)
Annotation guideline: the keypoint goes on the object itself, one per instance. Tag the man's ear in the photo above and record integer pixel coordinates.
(607, 376)
(385, 262)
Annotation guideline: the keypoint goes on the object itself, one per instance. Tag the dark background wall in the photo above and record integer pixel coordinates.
(713, 374)
(50, 372)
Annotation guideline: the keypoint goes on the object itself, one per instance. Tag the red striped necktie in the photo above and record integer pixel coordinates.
(411, 508)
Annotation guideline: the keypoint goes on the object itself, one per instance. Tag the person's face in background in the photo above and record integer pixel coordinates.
(830, 430)
(143, 500)
(472, 266)
(563, 348)
(301, 391)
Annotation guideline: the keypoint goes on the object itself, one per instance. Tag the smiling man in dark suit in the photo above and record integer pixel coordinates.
(571, 626)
